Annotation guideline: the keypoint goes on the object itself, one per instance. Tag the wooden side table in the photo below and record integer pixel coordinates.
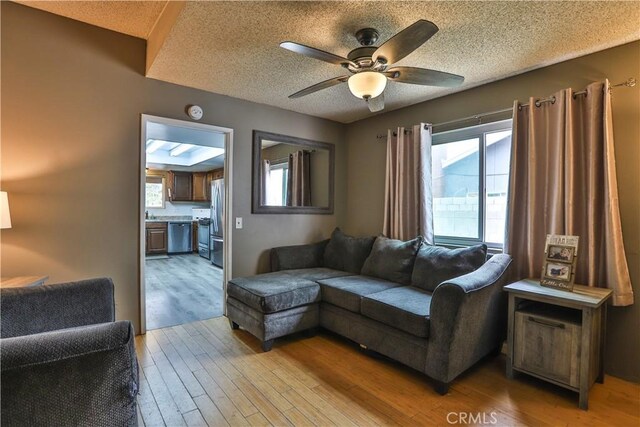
(22, 281)
(557, 335)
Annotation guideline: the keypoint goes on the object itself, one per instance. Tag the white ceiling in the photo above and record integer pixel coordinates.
(232, 47)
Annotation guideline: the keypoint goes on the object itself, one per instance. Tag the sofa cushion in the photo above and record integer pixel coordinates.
(273, 292)
(392, 259)
(435, 264)
(318, 273)
(406, 308)
(347, 253)
(346, 292)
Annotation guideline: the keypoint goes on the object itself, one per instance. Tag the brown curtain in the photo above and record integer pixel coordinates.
(299, 181)
(408, 200)
(563, 181)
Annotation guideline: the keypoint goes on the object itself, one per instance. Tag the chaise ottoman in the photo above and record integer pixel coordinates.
(273, 305)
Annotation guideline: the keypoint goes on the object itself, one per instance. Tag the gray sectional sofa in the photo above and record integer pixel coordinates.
(434, 309)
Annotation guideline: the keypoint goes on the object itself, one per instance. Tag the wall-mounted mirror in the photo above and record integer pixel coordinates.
(292, 175)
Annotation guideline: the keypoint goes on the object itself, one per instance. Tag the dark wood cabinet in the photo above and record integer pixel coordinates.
(216, 174)
(201, 187)
(179, 186)
(156, 238)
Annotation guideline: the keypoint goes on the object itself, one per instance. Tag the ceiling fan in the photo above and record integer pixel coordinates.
(369, 65)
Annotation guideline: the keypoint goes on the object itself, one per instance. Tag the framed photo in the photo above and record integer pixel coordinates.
(558, 270)
(561, 253)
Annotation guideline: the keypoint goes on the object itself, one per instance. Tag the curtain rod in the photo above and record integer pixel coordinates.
(630, 82)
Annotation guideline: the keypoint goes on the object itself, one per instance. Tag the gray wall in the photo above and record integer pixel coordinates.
(72, 95)
(366, 163)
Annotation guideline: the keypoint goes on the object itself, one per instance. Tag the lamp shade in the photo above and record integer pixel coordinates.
(367, 84)
(5, 216)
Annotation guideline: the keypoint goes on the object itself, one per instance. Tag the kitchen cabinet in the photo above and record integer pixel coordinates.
(180, 186)
(216, 174)
(201, 187)
(156, 238)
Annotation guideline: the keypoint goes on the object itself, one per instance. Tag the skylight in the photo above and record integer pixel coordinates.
(179, 154)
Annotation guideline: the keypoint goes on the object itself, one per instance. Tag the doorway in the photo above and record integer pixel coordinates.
(185, 208)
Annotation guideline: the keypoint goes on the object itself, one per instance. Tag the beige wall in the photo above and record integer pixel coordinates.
(366, 162)
(72, 96)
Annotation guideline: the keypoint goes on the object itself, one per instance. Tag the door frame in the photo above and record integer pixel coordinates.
(228, 204)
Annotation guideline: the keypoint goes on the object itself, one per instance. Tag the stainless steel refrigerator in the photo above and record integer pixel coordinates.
(217, 227)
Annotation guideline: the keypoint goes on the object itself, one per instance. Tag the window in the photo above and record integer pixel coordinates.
(277, 184)
(470, 178)
(154, 192)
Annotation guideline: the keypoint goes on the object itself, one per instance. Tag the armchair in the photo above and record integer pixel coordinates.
(64, 359)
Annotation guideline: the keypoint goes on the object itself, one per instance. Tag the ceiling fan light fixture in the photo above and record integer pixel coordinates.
(367, 84)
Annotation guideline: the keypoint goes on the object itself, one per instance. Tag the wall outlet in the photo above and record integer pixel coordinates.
(239, 222)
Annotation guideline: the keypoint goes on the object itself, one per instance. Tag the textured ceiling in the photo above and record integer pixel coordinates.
(135, 18)
(232, 48)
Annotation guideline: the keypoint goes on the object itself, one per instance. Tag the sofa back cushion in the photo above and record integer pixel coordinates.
(392, 259)
(435, 264)
(347, 253)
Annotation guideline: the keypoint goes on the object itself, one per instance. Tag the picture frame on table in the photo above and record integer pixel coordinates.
(558, 270)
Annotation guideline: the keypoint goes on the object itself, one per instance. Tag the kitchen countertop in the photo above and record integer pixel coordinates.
(170, 219)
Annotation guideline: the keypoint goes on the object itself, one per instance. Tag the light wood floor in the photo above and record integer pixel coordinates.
(204, 373)
(181, 289)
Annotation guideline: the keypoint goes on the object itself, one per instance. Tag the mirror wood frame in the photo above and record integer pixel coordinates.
(256, 207)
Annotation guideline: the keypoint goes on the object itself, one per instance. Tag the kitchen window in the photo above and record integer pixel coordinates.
(470, 178)
(154, 192)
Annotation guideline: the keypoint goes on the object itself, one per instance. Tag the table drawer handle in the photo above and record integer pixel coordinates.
(546, 322)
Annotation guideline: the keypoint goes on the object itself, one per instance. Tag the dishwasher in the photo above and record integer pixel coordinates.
(180, 238)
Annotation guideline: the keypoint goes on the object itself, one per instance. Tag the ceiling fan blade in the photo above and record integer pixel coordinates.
(405, 42)
(312, 52)
(423, 76)
(319, 86)
(376, 104)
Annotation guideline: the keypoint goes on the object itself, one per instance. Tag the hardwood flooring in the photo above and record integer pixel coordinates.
(203, 373)
(181, 289)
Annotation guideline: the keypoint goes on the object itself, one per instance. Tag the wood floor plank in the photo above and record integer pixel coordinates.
(264, 405)
(210, 411)
(296, 418)
(184, 349)
(230, 412)
(185, 337)
(258, 420)
(179, 366)
(168, 408)
(147, 405)
(139, 416)
(194, 419)
(177, 389)
(325, 380)
(307, 409)
(143, 354)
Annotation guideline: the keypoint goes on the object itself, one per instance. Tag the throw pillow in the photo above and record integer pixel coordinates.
(435, 264)
(392, 259)
(347, 253)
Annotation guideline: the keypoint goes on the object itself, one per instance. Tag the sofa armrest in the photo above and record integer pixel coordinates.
(467, 319)
(78, 376)
(32, 310)
(298, 256)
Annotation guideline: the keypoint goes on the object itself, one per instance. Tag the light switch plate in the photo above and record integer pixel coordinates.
(239, 222)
